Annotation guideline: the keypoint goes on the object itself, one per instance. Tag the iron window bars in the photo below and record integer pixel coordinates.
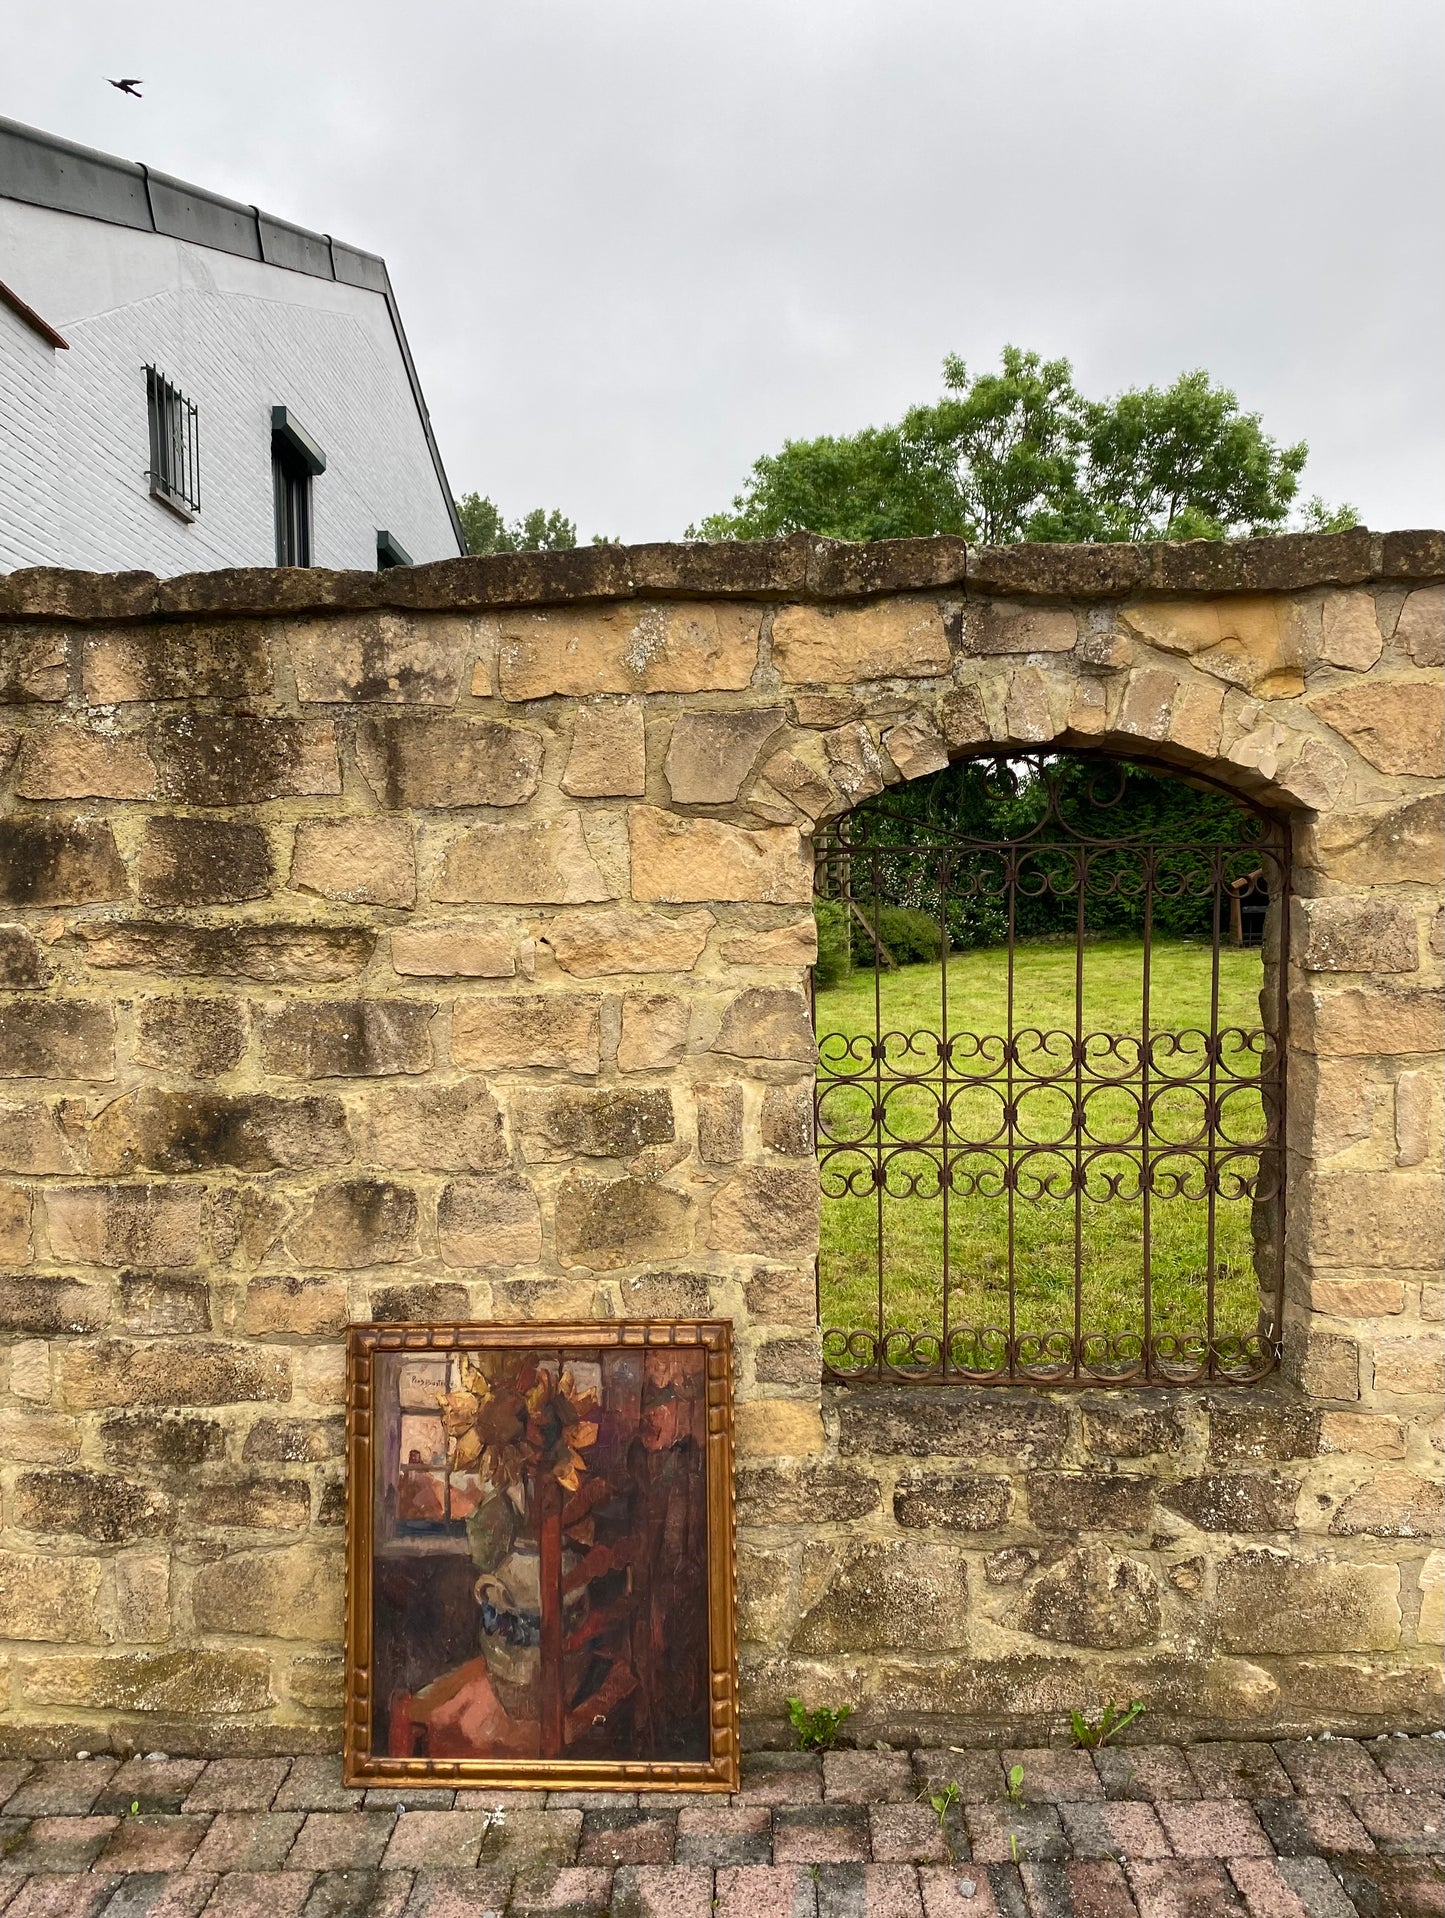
(960, 1138)
(175, 468)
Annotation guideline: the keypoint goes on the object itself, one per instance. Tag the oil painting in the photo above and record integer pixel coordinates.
(540, 1555)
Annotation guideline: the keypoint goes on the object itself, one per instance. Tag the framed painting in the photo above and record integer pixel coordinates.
(540, 1562)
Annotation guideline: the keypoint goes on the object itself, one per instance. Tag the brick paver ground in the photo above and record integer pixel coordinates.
(1324, 1828)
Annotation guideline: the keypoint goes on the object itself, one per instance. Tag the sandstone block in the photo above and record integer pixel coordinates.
(764, 1593)
(654, 1031)
(530, 1030)
(421, 1304)
(787, 1121)
(1016, 626)
(766, 1209)
(56, 1039)
(30, 1370)
(609, 1223)
(387, 658)
(886, 1595)
(1088, 707)
(443, 762)
(1270, 1601)
(544, 863)
(201, 1038)
(1234, 1502)
(1332, 1104)
(965, 720)
(1028, 710)
(72, 762)
(279, 955)
(665, 1295)
(1349, 632)
(782, 1295)
(231, 759)
(1386, 845)
(143, 1597)
(679, 647)
(294, 1441)
(1321, 1364)
(916, 746)
(1392, 1505)
(1120, 1430)
(767, 1022)
(432, 1128)
(610, 1122)
(34, 665)
(195, 1684)
(155, 1303)
(166, 1131)
(791, 1361)
(590, 944)
(710, 755)
(1368, 1020)
(1316, 777)
(1411, 1364)
(101, 1506)
(954, 1502)
(490, 1220)
(521, 1301)
(1371, 1219)
(1148, 702)
(1090, 1501)
(203, 862)
(1243, 1426)
(1356, 935)
(1092, 1596)
(366, 861)
(1196, 718)
(608, 755)
(50, 1598)
(825, 710)
(778, 1428)
(781, 1495)
(790, 945)
(1420, 628)
(29, 1436)
(22, 962)
(125, 1224)
(452, 952)
(1247, 639)
(307, 1308)
(172, 1372)
(228, 660)
(59, 862)
(1368, 1434)
(1365, 1297)
(161, 1442)
(346, 1038)
(1415, 1103)
(50, 1306)
(354, 1223)
(694, 861)
(719, 1123)
(1398, 725)
(924, 1422)
(801, 777)
(293, 1592)
(882, 639)
(1431, 1628)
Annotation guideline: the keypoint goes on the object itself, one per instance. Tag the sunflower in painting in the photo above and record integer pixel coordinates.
(510, 1416)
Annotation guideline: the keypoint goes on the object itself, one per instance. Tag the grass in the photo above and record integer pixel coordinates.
(915, 1212)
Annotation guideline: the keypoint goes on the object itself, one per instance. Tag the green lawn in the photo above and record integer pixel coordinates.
(915, 1211)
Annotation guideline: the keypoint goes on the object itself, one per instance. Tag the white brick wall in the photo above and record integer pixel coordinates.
(237, 337)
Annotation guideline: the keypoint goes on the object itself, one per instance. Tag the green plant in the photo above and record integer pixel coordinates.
(835, 959)
(817, 1730)
(1016, 1784)
(1091, 1733)
(943, 1803)
(907, 932)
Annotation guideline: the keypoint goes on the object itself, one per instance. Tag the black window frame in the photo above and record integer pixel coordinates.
(296, 459)
(390, 552)
(173, 421)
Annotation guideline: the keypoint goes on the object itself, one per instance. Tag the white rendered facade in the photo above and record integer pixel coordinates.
(237, 336)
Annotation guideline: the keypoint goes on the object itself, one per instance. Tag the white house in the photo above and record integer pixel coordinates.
(187, 383)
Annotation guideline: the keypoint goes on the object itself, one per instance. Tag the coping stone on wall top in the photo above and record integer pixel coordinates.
(798, 567)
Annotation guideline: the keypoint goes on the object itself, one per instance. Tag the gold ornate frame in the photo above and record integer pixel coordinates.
(719, 1772)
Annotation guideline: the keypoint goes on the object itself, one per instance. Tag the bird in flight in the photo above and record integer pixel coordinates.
(132, 87)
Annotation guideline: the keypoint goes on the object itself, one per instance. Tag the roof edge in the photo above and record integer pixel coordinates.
(800, 567)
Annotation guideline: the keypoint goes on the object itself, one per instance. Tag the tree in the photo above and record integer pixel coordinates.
(1020, 454)
(536, 532)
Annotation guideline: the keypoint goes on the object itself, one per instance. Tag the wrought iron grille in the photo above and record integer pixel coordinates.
(1051, 1149)
(175, 468)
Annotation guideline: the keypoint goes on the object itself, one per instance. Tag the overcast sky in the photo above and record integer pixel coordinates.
(637, 243)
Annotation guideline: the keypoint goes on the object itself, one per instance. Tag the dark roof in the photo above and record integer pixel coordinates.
(42, 170)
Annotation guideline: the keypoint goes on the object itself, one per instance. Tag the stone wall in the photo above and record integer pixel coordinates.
(434, 944)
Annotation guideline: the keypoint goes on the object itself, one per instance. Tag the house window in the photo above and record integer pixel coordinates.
(295, 461)
(175, 468)
(390, 552)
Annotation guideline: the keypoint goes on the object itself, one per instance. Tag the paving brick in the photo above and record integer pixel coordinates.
(65, 1787)
(627, 1838)
(580, 1891)
(1267, 1893)
(868, 1891)
(250, 1841)
(972, 1891)
(868, 1778)
(1046, 1891)
(820, 1834)
(459, 1894)
(1305, 1827)
(412, 1798)
(908, 1834)
(63, 1895)
(1316, 1886)
(153, 1842)
(1214, 1828)
(590, 1800)
(64, 1843)
(1181, 1888)
(314, 1784)
(151, 1784)
(781, 1778)
(1053, 1775)
(762, 1891)
(440, 1838)
(724, 1835)
(259, 1894)
(1115, 1830)
(524, 1839)
(1240, 1770)
(1009, 1834)
(978, 1775)
(1414, 1764)
(1329, 1765)
(237, 1784)
(1401, 1821)
(1148, 1772)
(1390, 1887)
(1097, 1888)
(341, 1840)
(13, 1773)
(345, 1894)
(161, 1894)
(494, 1801)
(663, 1891)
